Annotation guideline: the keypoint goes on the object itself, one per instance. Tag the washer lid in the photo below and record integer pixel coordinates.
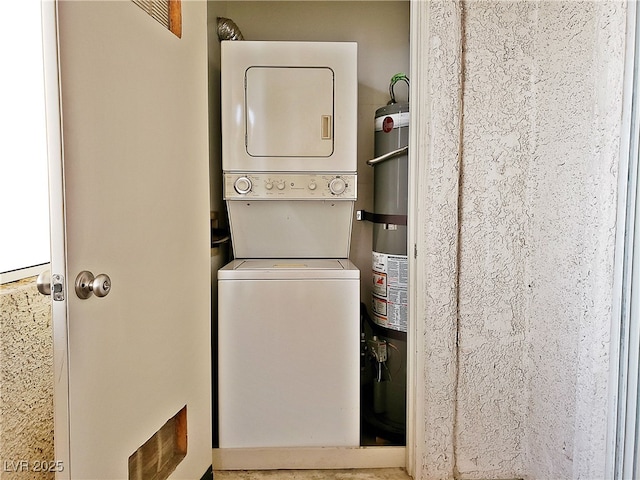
(290, 263)
(289, 268)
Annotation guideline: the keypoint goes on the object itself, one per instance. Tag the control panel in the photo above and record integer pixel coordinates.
(289, 186)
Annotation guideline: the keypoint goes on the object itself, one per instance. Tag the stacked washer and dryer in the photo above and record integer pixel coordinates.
(288, 318)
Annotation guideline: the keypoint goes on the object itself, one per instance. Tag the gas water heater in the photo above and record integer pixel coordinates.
(385, 331)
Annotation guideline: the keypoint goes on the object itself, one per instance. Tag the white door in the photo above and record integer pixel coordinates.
(135, 206)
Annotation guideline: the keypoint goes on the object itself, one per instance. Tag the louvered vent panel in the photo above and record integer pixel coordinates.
(158, 9)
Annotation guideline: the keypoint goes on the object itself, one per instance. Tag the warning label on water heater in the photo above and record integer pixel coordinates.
(389, 291)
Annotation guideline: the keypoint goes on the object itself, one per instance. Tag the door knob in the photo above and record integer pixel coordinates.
(87, 284)
(51, 284)
(43, 282)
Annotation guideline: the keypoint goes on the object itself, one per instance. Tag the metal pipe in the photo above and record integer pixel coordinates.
(228, 30)
(388, 156)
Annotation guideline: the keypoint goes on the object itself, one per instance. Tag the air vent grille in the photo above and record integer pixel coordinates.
(167, 12)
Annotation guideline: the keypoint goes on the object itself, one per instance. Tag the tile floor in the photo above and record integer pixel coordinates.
(365, 474)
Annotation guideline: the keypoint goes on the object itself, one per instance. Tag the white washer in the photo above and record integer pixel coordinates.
(289, 355)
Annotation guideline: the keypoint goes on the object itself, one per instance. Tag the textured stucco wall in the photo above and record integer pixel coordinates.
(522, 392)
(577, 91)
(26, 381)
(436, 118)
(496, 145)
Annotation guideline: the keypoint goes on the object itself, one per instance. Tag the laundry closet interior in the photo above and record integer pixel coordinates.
(332, 326)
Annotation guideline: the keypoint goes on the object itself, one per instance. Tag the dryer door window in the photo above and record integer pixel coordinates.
(289, 111)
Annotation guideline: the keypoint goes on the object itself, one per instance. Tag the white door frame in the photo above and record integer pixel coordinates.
(415, 361)
(622, 442)
(58, 239)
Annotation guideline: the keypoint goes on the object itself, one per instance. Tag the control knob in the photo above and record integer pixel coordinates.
(242, 185)
(337, 186)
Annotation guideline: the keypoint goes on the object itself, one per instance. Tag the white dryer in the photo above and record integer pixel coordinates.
(289, 107)
(289, 362)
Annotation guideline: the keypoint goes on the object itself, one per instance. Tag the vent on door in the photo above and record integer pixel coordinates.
(161, 454)
(167, 12)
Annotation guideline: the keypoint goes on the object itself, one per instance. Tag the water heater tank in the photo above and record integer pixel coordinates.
(384, 333)
(389, 263)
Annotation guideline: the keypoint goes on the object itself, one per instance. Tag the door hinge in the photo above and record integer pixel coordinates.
(415, 251)
(57, 287)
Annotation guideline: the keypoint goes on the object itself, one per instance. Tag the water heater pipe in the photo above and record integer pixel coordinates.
(388, 156)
